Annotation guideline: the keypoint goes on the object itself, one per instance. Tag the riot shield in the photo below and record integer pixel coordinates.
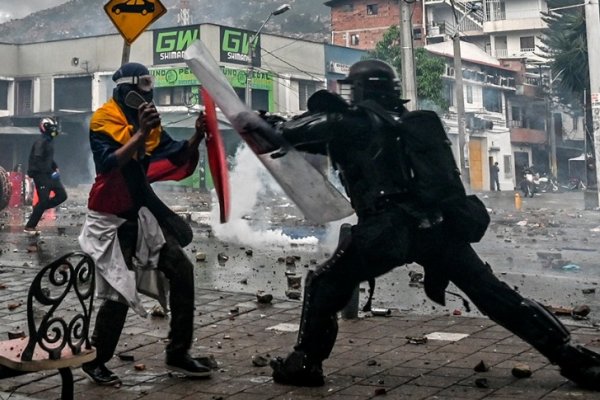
(310, 190)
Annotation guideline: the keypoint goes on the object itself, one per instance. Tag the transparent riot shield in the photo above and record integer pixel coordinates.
(311, 191)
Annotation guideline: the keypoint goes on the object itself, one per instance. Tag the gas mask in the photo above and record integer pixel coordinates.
(49, 126)
(140, 89)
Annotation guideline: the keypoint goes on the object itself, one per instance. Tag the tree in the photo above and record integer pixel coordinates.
(565, 43)
(429, 69)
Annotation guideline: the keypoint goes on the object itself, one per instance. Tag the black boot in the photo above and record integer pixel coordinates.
(208, 360)
(535, 324)
(99, 374)
(580, 365)
(296, 369)
(185, 364)
(109, 324)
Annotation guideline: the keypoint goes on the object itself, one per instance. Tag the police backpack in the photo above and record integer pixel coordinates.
(435, 178)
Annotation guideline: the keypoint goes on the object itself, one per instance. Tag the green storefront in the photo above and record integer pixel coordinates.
(181, 84)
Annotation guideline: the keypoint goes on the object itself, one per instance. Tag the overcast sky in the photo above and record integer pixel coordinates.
(11, 9)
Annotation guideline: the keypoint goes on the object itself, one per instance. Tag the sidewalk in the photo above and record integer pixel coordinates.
(372, 357)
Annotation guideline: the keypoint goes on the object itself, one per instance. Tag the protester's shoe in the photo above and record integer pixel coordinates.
(99, 374)
(186, 365)
(297, 371)
(581, 365)
(31, 231)
(208, 361)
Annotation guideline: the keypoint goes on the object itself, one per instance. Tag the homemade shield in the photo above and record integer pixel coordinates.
(216, 156)
(312, 192)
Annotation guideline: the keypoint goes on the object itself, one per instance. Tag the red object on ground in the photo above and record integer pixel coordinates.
(216, 156)
(16, 181)
(36, 199)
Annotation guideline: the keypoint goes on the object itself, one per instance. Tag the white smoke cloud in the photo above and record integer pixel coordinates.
(251, 184)
(249, 180)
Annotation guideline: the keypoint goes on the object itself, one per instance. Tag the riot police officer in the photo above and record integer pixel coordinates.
(394, 228)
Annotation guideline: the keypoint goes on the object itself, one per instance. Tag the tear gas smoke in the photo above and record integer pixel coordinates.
(256, 199)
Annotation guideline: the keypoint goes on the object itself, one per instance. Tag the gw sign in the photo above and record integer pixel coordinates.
(170, 43)
(235, 47)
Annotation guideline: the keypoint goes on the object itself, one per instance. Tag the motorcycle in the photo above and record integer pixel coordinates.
(574, 184)
(547, 183)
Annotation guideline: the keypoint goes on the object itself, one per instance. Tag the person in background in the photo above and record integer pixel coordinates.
(129, 232)
(44, 172)
(495, 178)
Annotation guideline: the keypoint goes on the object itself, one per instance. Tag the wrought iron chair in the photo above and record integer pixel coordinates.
(59, 308)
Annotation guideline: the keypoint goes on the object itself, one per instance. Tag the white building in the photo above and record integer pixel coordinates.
(511, 31)
(70, 79)
(486, 86)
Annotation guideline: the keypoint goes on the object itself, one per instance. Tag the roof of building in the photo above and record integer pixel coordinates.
(468, 51)
(332, 3)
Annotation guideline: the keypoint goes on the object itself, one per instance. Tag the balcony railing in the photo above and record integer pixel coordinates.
(498, 10)
(506, 53)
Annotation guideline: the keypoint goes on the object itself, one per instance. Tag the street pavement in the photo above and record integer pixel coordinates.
(374, 357)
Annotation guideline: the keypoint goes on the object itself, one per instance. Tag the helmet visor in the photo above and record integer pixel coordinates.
(144, 82)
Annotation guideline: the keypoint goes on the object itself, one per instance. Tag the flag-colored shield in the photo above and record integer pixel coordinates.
(217, 160)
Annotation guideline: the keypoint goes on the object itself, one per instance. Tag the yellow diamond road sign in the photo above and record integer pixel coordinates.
(132, 17)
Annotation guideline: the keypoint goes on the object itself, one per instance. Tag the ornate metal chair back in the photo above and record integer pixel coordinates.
(59, 304)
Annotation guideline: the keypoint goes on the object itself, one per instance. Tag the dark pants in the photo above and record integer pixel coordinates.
(44, 185)
(380, 243)
(179, 271)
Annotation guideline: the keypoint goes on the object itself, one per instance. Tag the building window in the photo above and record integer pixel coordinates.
(305, 90)
(492, 100)
(175, 96)
(527, 43)
(4, 95)
(469, 94)
(260, 98)
(372, 9)
(347, 7)
(23, 97)
(417, 33)
(449, 93)
(508, 165)
(73, 93)
(354, 39)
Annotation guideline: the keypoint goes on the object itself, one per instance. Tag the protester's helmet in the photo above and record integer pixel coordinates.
(371, 79)
(49, 126)
(134, 77)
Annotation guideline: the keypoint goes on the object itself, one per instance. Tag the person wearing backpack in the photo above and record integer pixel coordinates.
(398, 169)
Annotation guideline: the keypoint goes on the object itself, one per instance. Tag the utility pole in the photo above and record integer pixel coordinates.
(409, 86)
(551, 126)
(463, 139)
(251, 43)
(592, 24)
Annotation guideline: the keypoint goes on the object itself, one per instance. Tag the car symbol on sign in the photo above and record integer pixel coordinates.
(134, 6)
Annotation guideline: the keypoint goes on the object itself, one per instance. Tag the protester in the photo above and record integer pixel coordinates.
(44, 172)
(368, 144)
(130, 233)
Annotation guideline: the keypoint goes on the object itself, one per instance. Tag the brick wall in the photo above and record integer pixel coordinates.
(356, 22)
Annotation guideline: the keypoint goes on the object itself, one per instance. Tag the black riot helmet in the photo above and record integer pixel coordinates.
(374, 80)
